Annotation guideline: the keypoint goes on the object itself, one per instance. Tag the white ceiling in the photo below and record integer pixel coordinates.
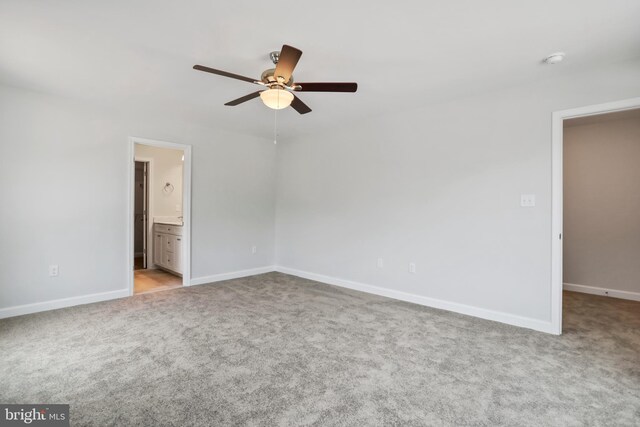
(137, 54)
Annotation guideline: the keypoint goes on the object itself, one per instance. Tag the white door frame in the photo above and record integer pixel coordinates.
(557, 146)
(186, 205)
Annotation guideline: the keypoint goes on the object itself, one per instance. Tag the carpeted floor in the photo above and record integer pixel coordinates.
(278, 350)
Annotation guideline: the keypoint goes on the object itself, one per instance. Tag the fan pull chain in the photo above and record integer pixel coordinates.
(275, 122)
(275, 126)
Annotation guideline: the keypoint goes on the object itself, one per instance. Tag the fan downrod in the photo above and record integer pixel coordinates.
(275, 56)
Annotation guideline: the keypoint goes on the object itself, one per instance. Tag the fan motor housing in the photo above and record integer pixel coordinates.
(268, 77)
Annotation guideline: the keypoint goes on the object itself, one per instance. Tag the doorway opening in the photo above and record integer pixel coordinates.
(595, 231)
(160, 194)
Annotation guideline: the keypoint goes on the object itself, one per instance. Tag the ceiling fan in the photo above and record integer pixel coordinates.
(278, 83)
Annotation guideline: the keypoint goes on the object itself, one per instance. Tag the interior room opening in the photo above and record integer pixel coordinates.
(601, 201)
(158, 219)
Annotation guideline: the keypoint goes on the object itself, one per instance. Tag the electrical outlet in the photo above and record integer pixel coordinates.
(53, 270)
(527, 200)
(380, 263)
(254, 249)
(412, 267)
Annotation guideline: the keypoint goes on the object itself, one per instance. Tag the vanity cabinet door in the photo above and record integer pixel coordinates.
(167, 248)
(169, 242)
(177, 254)
(167, 260)
(158, 248)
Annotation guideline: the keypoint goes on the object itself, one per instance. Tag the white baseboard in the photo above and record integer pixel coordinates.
(482, 313)
(633, 296)
(511, 319)
(232, 275)
(104, 296)
(19, 310)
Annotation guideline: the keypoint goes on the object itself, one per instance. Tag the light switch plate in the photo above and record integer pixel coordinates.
(527, 200)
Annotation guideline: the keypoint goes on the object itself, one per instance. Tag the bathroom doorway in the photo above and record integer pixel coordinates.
(160, 256)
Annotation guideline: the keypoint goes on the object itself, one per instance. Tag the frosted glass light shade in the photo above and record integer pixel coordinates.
(276, 98)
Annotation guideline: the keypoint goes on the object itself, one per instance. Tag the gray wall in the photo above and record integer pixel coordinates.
(439, 186)
(602, 204)
(65, 192)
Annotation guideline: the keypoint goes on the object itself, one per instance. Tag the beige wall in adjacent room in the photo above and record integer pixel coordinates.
(167, 168)
(602, 203)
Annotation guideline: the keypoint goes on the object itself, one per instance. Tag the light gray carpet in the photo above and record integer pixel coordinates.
(278, 350)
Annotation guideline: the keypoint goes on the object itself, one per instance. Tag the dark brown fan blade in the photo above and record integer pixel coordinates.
(300, 106)
(244, 99)
(326, 87)
(224, 73)
(289, 57)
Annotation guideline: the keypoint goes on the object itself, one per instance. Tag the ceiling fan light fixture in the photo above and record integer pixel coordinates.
(276, 98)
(277, 79)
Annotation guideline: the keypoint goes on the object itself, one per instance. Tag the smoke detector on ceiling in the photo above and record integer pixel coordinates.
(554, 58)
